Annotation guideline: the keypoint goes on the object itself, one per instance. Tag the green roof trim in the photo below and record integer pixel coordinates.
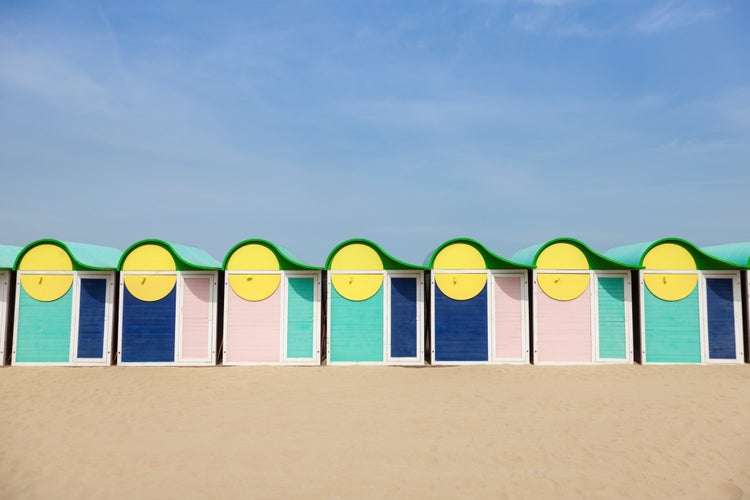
(635, 253)
(8, 256)
(597, 261)
(85, 257)
(389, 263)
(287, 261)
(491, 260)
(186, 258)
(736, 253)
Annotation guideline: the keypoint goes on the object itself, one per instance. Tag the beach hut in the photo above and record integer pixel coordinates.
(64, 312)
(168, 302)
(375, 307)
(271, 307)
(581, 304)
(689, 303)
(8, 255)
(479, 308)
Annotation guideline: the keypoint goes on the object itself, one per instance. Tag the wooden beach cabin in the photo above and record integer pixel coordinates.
(168, 302)
(738, 254)
(271, 307)
(689, 304)
(581, 304)
(8, 255)
(375, 307)
(479, 310)
(64, 314)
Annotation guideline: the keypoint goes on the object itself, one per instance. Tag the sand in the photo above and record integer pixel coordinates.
(375, 432)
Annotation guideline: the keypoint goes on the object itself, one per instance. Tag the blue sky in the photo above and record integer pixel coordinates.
(406, 122)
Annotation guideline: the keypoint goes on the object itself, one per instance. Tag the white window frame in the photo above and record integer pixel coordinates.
(595, 332)
(106, 359)
(4, 296)
(395, 360)
(737, 306)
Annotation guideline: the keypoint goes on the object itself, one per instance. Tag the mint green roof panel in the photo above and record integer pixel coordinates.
(287, 261)
(633, 254)
(8, 256)
(85, 257)
(736, 253)
(597, 261)
(186, 258)
(491, 260)
(389, 263)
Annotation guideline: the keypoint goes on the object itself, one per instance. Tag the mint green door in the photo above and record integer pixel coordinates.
(43, 330)
(612, 326)
(356, 333)
(673, 333)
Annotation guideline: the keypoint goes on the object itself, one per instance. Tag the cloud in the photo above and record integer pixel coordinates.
(674, 15)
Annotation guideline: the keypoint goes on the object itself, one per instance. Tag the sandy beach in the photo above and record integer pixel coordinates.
(376, 432)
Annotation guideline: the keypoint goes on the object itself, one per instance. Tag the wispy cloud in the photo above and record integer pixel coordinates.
(674, 15)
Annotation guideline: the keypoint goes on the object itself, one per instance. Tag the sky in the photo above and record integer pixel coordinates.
(405, 122)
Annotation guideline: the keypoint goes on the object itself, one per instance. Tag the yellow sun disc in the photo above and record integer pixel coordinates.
(46, 287)
(562, 286)
(459, 286)
(669, 256)
(357, 257)
(145, 286)
(254, 257)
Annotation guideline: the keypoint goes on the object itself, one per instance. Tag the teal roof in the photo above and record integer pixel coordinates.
(597, 261)
(287, 261)
(186, 258)
(633, 254)
(83, 255)
(8, 256)
(736, 253)
(491, 260)
(389, 262)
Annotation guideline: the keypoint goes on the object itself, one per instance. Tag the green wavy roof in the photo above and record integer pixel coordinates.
(8, 256)
(287, 261)
(84, 256)
(633, 254)
(597, 261)
(736, 253)
(186, 258)
(491, 260)
(389, 263)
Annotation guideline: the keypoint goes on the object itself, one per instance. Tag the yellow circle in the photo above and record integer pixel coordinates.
(669, 256)
(562, 286)
(357, 257)
(456, 285)
(46, 287)
(145, 286)
(254, 257)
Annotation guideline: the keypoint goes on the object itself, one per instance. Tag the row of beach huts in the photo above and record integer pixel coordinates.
(560, 302)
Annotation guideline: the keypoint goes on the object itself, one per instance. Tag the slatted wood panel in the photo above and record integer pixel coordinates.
(508, 318)
(672, 329)
(721, 327)
(148, 329)
(43, 329)
(196, 319)
(612, 328)
(461, 332)
(404, 317)
(356, 333)
(563, 328)
(300, 318)
(91, 319)
(253, 333)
